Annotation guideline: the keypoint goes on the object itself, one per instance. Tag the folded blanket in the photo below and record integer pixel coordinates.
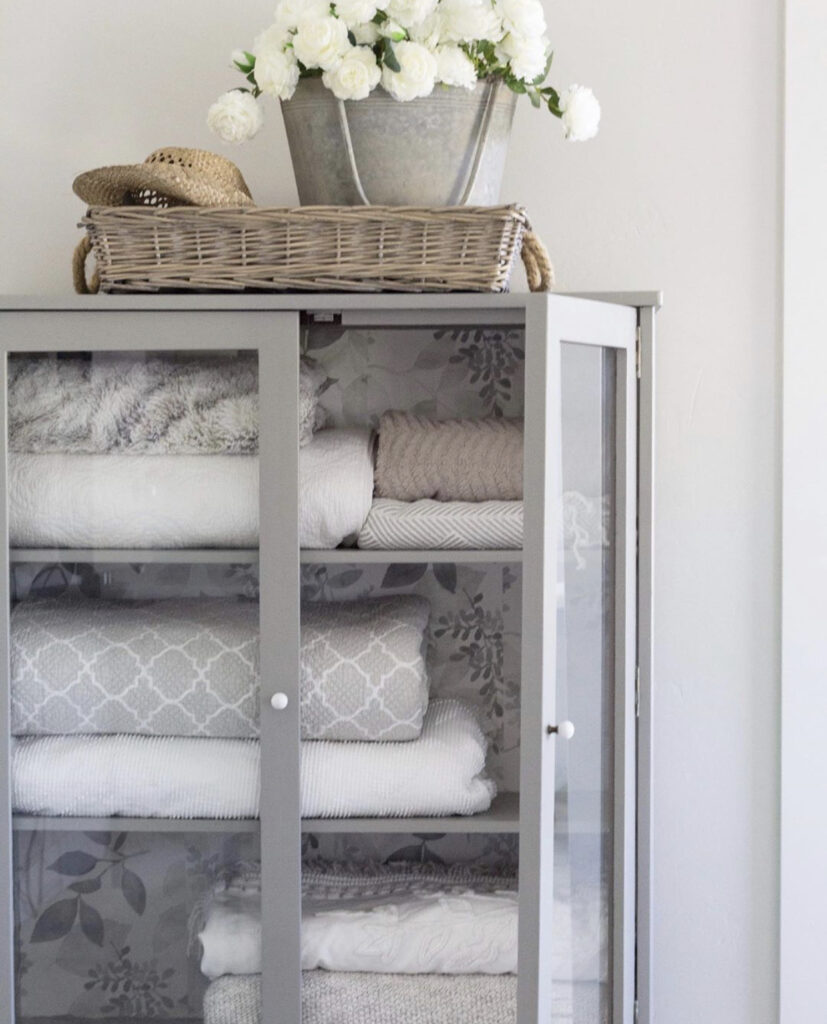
(180, 667)
(449, 460)
(189, 667)
(430, 933)
(133, 501)
(453, 525)
(441, 773)
(161, 405)
(363, 674)
(184, 501)
(335, 487)
(344, 998)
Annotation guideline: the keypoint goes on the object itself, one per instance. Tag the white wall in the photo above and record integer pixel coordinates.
(681, 192)
(804, 709)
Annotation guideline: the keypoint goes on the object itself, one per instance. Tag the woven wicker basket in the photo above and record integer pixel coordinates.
(310, 248)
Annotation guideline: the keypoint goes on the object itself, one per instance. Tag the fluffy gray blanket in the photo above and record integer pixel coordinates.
(116, 403)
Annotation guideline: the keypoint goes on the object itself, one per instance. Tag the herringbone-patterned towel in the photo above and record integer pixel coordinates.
(453, 525)
(449, 460)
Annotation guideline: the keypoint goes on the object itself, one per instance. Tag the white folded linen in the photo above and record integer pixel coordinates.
(451, 525)
(434, 933)
(333, 997)
(186, 501)
(133, 501)
(441, 773)
(335, 486)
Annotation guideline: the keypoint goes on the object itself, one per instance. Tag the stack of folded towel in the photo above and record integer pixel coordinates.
(446, 484)
(437, 944)
(111, 453)
(150, 709)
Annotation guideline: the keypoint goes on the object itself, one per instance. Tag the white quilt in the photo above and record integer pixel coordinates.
(441, 773)
(184, 501)
(438, 933)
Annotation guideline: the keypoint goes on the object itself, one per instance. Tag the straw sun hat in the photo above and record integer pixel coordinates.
(168, 177)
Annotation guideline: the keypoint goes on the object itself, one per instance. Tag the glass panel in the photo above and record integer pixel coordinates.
(134, 627)
(583, 855)
(392, 648)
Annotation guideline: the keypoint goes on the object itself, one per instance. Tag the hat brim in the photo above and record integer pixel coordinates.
(118, 185)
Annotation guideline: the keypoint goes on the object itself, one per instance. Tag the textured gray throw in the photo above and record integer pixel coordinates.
(117, 403)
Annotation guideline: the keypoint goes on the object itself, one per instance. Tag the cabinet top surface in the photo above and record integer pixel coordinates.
(519, 302)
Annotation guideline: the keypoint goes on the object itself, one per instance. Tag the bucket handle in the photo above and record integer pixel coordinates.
(474, 168)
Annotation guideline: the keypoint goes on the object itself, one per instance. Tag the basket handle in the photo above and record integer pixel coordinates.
(84, 285)
(473, 168)
(539, 270)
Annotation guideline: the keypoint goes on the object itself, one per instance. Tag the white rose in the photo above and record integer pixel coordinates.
(356, 74)
(454, 67)
(463, 21)
(527, 57)
(320, 42)
(274, 38)
(409, 12)
(277, 73)
(522, 17)
(235, 116)
(427, 32)
(355, 12)
(392, 30)
(367, 34)
(581, 113)
(290, 12)
(417, 75)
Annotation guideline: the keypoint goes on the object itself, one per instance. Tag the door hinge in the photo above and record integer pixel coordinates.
(636, 1010)
(637, 351)
(637, 691)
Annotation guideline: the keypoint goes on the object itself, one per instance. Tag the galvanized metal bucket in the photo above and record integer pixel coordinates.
(447, 149)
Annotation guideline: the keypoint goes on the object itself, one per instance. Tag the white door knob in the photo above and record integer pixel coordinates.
(565, 730)
(278, 701)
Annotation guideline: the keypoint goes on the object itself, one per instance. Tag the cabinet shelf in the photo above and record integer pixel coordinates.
(504, 816)
(236, 556)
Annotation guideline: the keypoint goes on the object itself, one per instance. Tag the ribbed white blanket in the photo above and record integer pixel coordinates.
(169, 501)
(441, 773)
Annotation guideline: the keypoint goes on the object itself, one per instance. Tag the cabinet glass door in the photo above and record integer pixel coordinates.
(576, 855)
(134, 666)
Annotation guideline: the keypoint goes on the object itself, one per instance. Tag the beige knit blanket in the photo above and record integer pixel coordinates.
(449, 460)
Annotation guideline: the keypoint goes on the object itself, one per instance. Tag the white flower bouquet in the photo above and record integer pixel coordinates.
(409, 47)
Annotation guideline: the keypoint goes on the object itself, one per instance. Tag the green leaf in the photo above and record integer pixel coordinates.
(56, 921)
(389, 57)
(74, 863)
(535, 98)
(542, 77)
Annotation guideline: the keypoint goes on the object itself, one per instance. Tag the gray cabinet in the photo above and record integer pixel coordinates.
(534, 637)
